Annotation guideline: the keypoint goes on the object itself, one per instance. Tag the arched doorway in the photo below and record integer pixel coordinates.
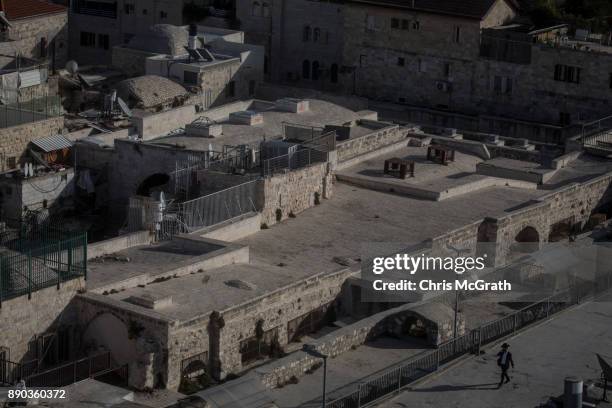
(526, 241)
(152, 183)
(108, 332)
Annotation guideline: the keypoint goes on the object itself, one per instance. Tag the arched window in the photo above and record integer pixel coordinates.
(334, 73)
(256, 11)
(315, 70)
(306, 34)
(306, 69)
(265, 8)
(316, 35)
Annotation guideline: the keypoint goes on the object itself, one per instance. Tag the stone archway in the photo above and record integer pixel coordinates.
(153, 182)
(109, 332)
(526, 241)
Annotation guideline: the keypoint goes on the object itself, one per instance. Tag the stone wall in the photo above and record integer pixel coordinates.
(378, 139)
(22, 319)
(14, 140)
(133, 162)
(27, 35)
(110, 246)
(350, 337)
(151, 126)
(130, 61)
(275, 310)
(143, 331)
(294, 191)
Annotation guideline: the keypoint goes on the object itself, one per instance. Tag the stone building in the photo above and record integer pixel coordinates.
(469, 58)
(224, 68)
(98, 26)
(35, 29)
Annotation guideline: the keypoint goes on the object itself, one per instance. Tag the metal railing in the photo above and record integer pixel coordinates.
(218, 207)
(60, 376)
(597, 133)
(292, 161)
(25, 268)
(394, 380)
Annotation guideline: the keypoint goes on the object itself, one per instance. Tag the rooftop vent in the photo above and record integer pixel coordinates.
(250, 118)
(293, 105)
(150, 301)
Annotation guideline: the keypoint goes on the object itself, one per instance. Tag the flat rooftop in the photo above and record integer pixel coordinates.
(200, 293)
(356, 216)
(321, 113)
(144, 261)
(585, 167)
(431, 179)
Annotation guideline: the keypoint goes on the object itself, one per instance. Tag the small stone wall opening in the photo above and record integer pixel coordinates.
(560, 230)
(259, 347)
(526, 241)
(194, 374)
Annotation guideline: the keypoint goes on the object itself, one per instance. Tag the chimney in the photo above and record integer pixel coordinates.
(193, 37)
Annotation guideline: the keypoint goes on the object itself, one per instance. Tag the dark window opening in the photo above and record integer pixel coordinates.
(306, 69)
(88, 39)
(566, 73)
(334, 73)
(190, 77)
(315, 70)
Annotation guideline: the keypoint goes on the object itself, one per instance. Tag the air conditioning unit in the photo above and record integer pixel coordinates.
(443, 86)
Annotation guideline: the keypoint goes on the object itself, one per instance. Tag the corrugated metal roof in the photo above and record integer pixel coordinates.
(52, 143)
(17, 9)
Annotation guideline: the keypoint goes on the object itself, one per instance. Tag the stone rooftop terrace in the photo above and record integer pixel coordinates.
(321, 113)
(356, 216)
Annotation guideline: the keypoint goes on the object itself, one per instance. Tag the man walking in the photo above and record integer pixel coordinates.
(504, 360)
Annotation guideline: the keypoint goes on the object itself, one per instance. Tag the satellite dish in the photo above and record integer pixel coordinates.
(72, 67)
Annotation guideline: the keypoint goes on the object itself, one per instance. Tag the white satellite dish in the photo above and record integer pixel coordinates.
(72, 67)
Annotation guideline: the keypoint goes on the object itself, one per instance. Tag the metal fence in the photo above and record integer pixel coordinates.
(394, 380)
(65, 374)
(292, 161)
(220, 206)
(597, 133)
(37, 257)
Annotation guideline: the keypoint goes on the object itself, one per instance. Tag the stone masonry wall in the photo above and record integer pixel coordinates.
(14, 140)
(279, 308)
(22, 319)
(355, 147)
(130, 61)
(294, 191)
(28, 33)
(349, 337)
(147, 334)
